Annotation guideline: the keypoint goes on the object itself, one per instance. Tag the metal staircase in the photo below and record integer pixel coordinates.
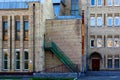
(51, 46)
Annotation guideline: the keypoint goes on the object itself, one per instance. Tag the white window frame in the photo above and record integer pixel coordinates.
(90, 43)
(92, 19)
(107, 63)
(111, 1)
(98, 42)
(99, 4)
(107, 42)
(118, 21)
(3, 59)
(116, 3)
(15, 58)
(116, 39)
(91, 3)
(25, 59)
(99, 18)
(109, 25)
(114, 62)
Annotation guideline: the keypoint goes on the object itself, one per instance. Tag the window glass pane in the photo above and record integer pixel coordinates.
(5, 65)
(92, 43)
(26, 65)
(17, 64)
(17, 25)
(92, 2)
(116, 65)
(5, 60)
(74, 7)
(99, 2)
(26, 55)
(5, 30)
(109, 21)
(109, 43)
(17, 55)
(17, 30)
(99, 21)
(26, 27)
(92, 21)
(109, 63)
(116, 21)
(99, 42)
(110, 3)
(17, 60)
(116, 2)
(5, 25)
(116, 42)
(5, 55)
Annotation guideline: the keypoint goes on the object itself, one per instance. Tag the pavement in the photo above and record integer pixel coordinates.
(100, 78)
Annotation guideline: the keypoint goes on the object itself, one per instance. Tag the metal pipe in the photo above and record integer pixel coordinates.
(34, 37)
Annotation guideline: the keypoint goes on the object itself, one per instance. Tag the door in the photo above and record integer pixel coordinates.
(95, 64)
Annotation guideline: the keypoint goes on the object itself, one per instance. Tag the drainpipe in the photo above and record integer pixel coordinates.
(34, 37)
(82, 31)
(10, 43)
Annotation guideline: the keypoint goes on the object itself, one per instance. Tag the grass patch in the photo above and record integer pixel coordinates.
(51, 78)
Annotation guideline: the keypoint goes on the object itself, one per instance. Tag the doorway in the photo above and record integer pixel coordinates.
(95, 64)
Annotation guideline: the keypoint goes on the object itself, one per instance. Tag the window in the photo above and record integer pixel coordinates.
(109, 43)
(92, 43)
(99, 3)
(116, 43)
(110, 3)
(5, 30)
(99, 42)
(109, 21)
(99, 21)
(74, 7)
(26, 29)
(116, 2)
(92, 21)
(5, 60)
(17, 60)
(92, 2)
(116, 63)
(116, 21)
(109, 64)
(26, 57)
(17, 30)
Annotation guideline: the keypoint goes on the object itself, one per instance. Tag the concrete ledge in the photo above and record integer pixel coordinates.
(103, 73)
(55, 75)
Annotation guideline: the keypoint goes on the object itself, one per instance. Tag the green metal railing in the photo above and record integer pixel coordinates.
(60, 54)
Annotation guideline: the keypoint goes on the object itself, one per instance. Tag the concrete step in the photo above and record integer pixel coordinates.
(103, 73)
(55, 75)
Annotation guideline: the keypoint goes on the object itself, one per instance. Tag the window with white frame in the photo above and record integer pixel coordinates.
(92, 2)
(116, 42)
(92, 43)
(26, 60)
(116, 63)
(99, 2)
(109, 42)
(109, 63)
(92, 21)
(5, 59)
(99, 21)
(17, 60)
(116, 21)
(110, 2)
(99, 42)
(109, 21)
(116, 2)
